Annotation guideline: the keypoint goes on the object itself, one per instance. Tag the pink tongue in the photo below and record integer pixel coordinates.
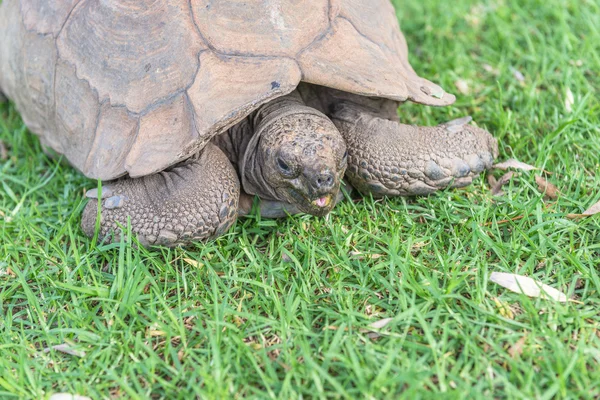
(321, 202)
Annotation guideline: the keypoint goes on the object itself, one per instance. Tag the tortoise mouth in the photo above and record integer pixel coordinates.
(319, 204)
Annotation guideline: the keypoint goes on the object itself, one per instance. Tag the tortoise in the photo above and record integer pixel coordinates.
(182, 106)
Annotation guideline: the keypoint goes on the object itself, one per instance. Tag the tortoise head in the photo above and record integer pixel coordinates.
(303, 159)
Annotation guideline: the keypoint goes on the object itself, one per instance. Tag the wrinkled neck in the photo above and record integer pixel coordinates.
(273, 109)
(252, 172)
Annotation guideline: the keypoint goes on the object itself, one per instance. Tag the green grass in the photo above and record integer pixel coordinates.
(275, 309)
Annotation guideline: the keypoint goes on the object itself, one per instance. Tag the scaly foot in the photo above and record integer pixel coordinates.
(191, 201)
(387, 158)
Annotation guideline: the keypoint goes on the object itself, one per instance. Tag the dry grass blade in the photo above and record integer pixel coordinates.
(497, 188)
(593, 210)
(547, 188)
(514, 163)
(504, 221)
(65, 348)
(527, 286)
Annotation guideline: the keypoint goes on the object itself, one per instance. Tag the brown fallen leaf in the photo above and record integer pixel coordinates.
(65, 348)
(547, 188)
(527, 286)
(514, 163)
(593, 210)
(517, 348)
(497, 188)
(8, 272)
(504, 221)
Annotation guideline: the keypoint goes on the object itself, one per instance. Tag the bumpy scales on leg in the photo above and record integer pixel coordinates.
(194, 200)
(387, 158)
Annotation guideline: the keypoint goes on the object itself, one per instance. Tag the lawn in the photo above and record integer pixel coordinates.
(281, 309)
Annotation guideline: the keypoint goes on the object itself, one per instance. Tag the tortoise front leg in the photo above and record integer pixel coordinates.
(191, 201)
(387, 158)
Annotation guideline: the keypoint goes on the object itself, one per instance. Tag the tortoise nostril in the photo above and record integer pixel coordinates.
(324, 181)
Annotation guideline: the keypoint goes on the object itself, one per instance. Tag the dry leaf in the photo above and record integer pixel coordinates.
(491, 70)
(593, 210)
(514, 163)
(527, 286)
(517, 348)
(375, 325)
(382, 323)
(576, 63)
(193, 263)
(569, 100)
(362, 256)
(68, 396)
(65, 348)
(332, 328)
(504, 308)
(497, 188)
(546, 187)
(462, 86)
(3, 151)
(8, 272)
(518, 75)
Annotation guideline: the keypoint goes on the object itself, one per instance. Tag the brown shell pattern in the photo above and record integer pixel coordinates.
(132, 87)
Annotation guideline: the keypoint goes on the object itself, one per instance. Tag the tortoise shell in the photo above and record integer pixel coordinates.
(131, 87)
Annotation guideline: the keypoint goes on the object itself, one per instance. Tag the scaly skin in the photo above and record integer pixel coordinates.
(295, 156)
(192, 201)
(386, 158)
(198, 198)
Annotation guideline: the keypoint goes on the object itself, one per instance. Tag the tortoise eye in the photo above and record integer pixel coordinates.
(345, 155)
(282, 165)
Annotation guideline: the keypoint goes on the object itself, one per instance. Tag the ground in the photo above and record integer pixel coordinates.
(279, 309)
